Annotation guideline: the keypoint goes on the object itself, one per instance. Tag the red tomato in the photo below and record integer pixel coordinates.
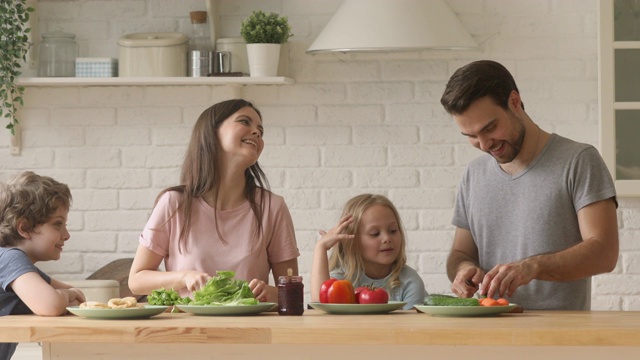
(371, 295)
(335, 291)
(358, 292)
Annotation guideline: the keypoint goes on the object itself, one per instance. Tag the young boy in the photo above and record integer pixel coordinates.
(33, 227)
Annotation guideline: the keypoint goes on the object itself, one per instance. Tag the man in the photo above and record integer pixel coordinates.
(536, 216)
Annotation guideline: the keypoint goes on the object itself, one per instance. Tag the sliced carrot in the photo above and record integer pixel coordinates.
(502, 302)
(489, 302)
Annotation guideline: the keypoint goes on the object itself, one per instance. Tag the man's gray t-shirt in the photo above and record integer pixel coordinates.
(13, 264)
(534, 212)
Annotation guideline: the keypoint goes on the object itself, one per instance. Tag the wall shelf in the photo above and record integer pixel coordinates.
(153, 81)
(237, 82)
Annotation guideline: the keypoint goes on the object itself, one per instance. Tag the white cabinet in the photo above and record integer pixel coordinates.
(619, 92)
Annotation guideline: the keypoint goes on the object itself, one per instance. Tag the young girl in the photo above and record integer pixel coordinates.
(33, 227)
(370, 251)
(221, 216)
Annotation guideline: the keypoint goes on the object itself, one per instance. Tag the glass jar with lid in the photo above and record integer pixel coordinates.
(57, 55)
(290, 294)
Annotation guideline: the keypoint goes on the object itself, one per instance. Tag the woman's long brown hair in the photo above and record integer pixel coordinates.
(201, 168)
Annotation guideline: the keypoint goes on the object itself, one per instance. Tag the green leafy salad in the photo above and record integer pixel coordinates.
(220, 290)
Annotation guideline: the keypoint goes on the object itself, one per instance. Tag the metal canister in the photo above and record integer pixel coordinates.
(237, 49)
(200, 63)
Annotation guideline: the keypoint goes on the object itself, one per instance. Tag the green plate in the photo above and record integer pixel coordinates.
(464, 310)
(351, 309)
(227, 310)
(118, 314)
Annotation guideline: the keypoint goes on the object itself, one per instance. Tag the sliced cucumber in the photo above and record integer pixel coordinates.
(447, 300)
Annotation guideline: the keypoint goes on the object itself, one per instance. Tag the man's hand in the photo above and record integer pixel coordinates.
(467, 280)
(505, 279)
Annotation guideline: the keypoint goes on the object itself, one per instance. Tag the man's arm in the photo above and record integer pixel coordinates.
(463, 264)
(596, 254)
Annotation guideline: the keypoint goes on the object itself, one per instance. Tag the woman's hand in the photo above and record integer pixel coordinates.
(260, 289)
(194, 280)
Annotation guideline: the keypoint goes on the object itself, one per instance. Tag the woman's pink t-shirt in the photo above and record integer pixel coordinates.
(250, 256)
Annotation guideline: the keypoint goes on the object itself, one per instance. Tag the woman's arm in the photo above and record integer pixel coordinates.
(264, 292)
(144, 276)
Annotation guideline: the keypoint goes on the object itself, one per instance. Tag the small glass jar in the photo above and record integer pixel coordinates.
(290, 294)
(57, 55)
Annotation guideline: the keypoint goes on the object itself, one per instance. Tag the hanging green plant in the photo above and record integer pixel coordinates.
(14, 44)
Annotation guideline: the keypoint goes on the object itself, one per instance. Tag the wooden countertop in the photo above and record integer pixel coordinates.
(532, 328)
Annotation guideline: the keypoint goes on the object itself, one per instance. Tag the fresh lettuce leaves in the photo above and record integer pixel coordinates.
(221, 290)
(166, 298)
(224, 290)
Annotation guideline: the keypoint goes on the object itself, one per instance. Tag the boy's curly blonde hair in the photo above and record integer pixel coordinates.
(31, 198)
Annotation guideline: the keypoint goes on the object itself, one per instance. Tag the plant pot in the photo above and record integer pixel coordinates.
(263, 59)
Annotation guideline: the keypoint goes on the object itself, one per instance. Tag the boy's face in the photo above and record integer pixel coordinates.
(46, 240)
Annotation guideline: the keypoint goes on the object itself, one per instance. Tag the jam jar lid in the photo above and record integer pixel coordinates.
(289, 278)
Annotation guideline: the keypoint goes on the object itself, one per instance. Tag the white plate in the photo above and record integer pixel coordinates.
(113, 314)
(464, 310)
(347, 309)
(227, 310)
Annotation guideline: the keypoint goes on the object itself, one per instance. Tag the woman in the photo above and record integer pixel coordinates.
(221, 216)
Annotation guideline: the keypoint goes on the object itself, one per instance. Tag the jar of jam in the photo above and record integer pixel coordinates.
(290, 294)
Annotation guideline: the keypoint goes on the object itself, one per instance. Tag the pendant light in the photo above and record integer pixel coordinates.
(392, 25)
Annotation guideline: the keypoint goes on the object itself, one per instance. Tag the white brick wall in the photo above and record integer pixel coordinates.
(350, 124)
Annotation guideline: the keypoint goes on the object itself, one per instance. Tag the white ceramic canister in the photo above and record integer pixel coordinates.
(97, 290)
(153, 54)
(238, 50)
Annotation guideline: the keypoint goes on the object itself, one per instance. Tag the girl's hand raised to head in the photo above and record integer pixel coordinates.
(330, 238)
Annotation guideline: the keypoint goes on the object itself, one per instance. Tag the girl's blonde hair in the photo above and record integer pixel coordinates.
(347, 255)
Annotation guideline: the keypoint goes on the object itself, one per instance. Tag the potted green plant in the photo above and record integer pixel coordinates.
(14, 44)
(264, 35)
